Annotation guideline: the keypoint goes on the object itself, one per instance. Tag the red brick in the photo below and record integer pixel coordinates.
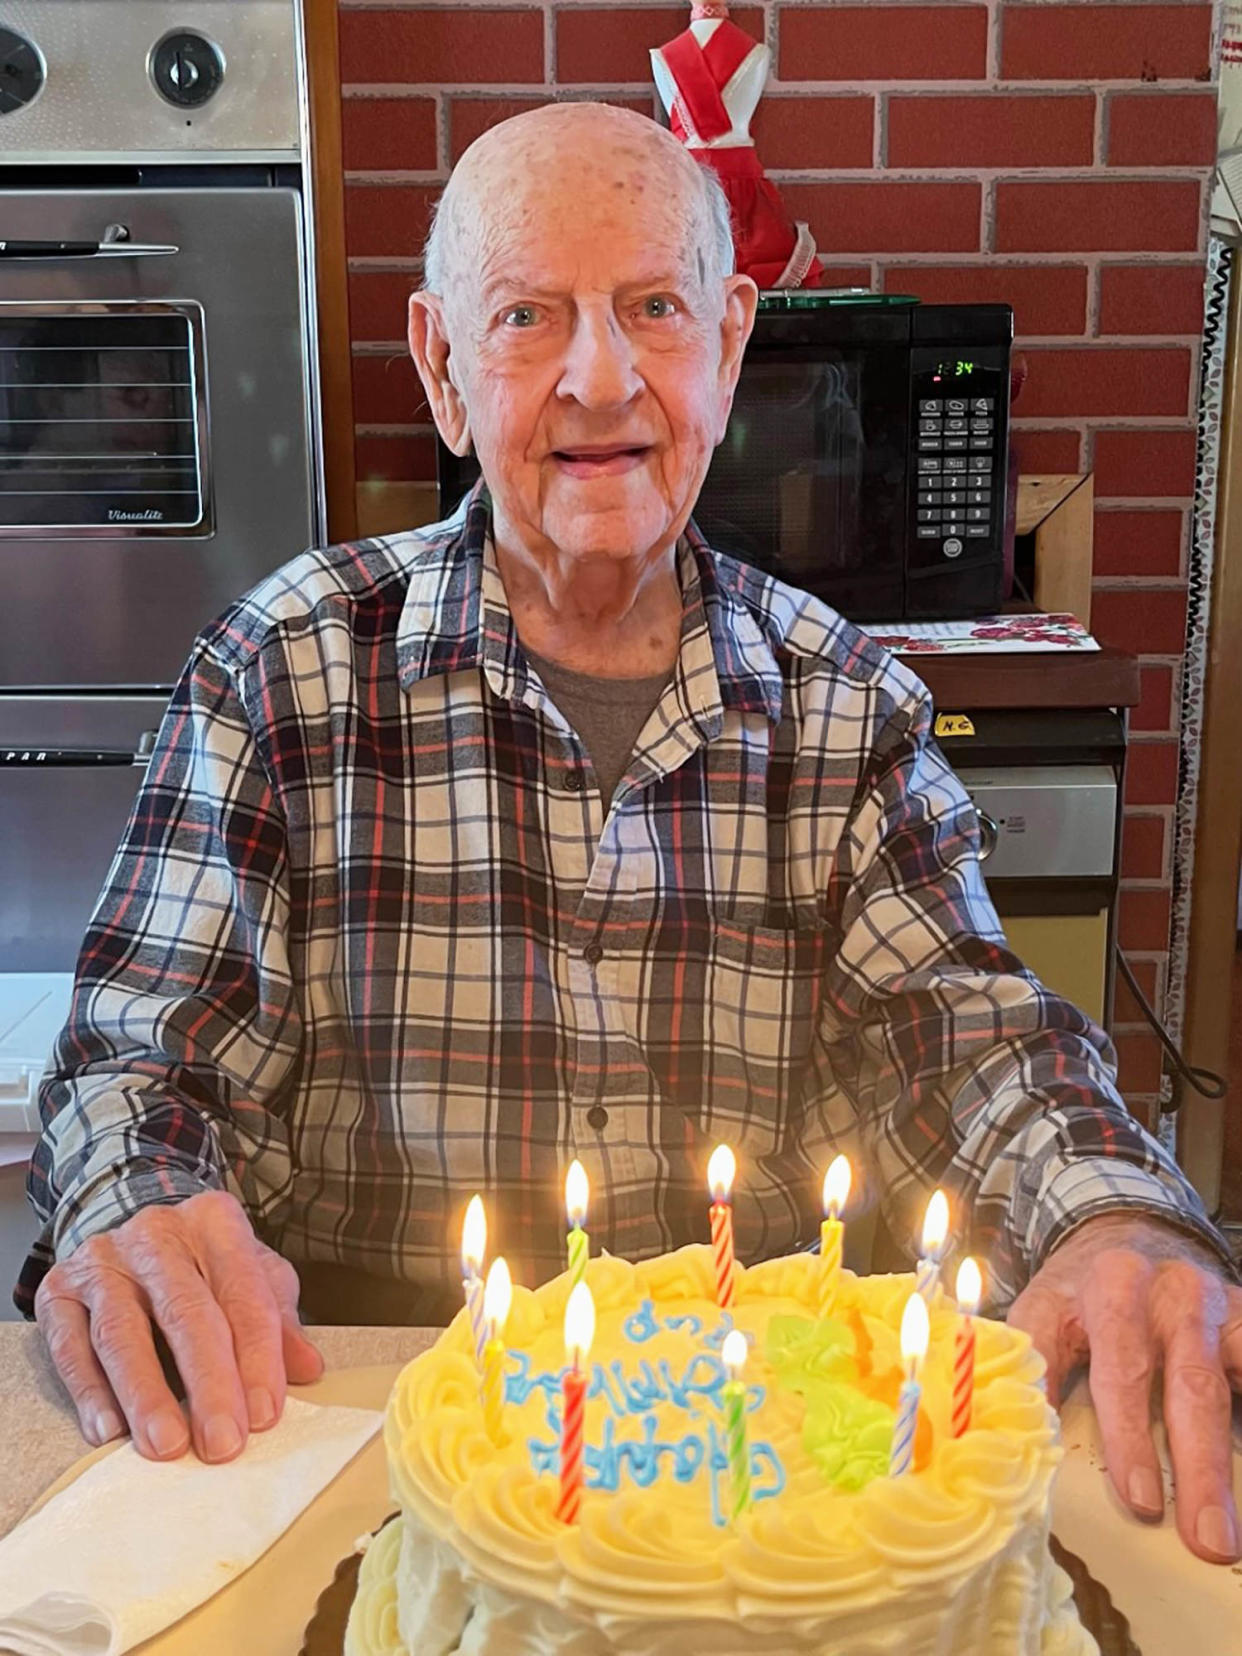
(1146, 620)
(1138, 543)
(1147, 972)
(1142, 858)
(1143, 916)
(389, 134)
(410, 458)
(839, 276)
(378, 303)
(438, 44)
(1151, 772)
(1046, 299)
(1155, 299)
(1144, 463)
(815, 132)
(1090, 215)
(991, 129)
(1140, 1061)
(883, 43)
(888, 216)
(1046, 451)
(469, 118)
(1157, 129)
(388, 220)
(387, 391)
(1099, 379)
(1109, 42)
(613, 45)
(1155, 709)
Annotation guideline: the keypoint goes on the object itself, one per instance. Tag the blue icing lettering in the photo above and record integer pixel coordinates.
(520, 1382)
(716, 1336)
(688, 1457)
(692, 1324)
(642, 1325)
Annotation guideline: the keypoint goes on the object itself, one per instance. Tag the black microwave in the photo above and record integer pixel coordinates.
(866, 457)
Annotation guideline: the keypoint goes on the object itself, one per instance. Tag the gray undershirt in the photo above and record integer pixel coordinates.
(606, 714)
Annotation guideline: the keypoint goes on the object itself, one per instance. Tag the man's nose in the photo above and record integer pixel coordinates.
(600, 370)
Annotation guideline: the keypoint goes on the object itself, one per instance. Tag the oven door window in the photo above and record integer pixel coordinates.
(103, 419)
(810, 480)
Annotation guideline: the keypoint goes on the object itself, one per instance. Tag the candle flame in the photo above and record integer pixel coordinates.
(721, 1171)
(935, 1225)
(497, 1298)
(915, 1333)
(579, 1324)
(733, 1353)
(969, 1286)
(836, 1186)
(577, 1192)
(473, 1237)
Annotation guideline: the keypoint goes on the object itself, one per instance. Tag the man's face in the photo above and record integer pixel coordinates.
(594, 351)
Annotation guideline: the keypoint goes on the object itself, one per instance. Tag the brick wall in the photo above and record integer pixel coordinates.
(1052, 155)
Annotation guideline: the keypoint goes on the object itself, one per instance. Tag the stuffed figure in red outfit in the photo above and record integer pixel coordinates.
(710, 79)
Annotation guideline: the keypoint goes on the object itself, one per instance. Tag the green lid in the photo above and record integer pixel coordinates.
(804, 299)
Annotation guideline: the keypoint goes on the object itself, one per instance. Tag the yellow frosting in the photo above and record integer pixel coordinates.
(812, 1550)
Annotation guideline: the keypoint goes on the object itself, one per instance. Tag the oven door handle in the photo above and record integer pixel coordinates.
(74, 758)
(86, 250)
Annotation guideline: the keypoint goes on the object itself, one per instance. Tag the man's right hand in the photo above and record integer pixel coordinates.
(226, 1305)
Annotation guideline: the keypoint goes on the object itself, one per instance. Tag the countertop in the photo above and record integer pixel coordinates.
(1172, 1600)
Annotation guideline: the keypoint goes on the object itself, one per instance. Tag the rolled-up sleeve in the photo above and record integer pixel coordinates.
(184, 1024)
(966, 1070)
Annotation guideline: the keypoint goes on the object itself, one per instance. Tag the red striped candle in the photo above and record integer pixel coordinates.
(969, 1289)
(721, 1170)
(579, 1332)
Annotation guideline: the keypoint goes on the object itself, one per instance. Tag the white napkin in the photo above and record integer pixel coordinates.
(133, 1545)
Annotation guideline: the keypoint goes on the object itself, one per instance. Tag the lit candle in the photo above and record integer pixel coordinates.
(473, 1247)
(720, 1174)
(935, 1229)
(733, 1356)
(915, 1329)
(577, 1190)
(832, 1231)
(969, 1291)
(497, 1298)
(579, 1332)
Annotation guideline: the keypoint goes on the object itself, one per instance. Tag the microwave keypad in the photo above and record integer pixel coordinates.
(956, 438)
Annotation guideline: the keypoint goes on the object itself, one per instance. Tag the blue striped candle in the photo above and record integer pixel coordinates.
(915, 1330)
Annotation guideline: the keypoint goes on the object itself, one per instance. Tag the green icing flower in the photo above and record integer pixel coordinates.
(847, 1435)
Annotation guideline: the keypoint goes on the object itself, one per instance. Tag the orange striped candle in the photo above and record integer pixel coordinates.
(969, 1292)
(579, 1332)
(721, 1170)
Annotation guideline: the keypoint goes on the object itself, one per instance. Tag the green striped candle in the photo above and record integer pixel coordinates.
(733, 1394)
(578, 1243)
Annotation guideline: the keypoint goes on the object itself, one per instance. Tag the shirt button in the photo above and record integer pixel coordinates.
(593, 953)
(574, 781)
(597, 1117)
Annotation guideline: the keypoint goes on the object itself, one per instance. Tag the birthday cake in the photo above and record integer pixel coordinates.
(823, 1549)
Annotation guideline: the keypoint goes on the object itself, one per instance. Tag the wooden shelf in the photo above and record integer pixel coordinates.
(1059, 510)
(1087, 678)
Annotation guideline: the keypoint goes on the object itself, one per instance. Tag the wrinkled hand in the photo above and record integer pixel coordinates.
(226, 1305)
(1131, 1295)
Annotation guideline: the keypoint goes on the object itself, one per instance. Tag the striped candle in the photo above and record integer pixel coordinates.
(578, 1243)
(473, 1248)
(935, 1230)
(721, 1170)
(497, 1298)
(832, 1232)
(969, 1290)
(733, 1396)
(579, 1332)
(915, 1330)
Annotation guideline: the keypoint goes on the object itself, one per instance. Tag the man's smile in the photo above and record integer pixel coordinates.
(588, 460)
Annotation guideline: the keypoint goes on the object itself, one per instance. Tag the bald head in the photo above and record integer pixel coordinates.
(547, 163)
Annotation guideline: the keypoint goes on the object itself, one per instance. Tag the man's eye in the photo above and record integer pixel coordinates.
(520, 316)
(658, 305)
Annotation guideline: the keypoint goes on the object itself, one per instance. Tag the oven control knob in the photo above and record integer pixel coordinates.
(186, 68)
(21, 71)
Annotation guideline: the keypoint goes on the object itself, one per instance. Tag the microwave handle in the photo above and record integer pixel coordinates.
(63, 758)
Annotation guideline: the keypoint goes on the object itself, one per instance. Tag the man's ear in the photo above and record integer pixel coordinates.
(741, 302)
(429, 346)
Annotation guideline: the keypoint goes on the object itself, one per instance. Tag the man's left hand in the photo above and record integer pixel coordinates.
(1130, 1295)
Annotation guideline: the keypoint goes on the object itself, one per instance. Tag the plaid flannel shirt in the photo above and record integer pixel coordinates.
(372, 942)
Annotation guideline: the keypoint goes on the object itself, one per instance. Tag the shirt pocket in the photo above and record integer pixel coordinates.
(728, 1020)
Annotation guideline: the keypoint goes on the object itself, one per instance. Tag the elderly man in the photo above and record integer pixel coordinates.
(543, 832)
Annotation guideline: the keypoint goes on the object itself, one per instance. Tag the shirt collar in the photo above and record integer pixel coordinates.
(456, 616)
